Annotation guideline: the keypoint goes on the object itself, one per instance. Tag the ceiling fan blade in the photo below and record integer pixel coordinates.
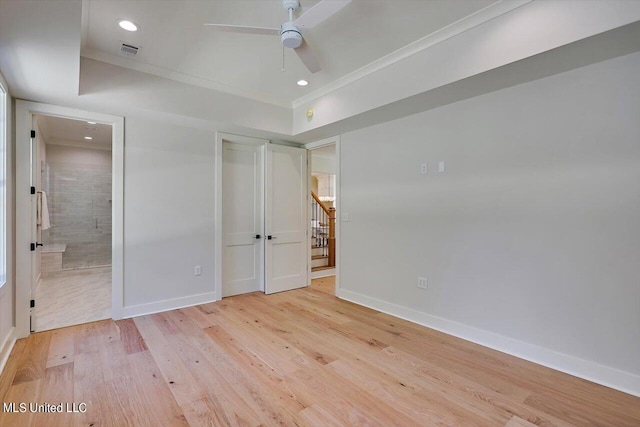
(245, 29)
(319, 13)
(307, 57)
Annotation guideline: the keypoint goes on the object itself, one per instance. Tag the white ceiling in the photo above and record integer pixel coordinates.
(61, 131)
(174, 43)
(503, 44)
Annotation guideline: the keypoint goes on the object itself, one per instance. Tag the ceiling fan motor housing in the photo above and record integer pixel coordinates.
(290, 4)
(290, 35)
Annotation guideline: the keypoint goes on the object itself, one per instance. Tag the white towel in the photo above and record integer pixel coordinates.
(43, 211)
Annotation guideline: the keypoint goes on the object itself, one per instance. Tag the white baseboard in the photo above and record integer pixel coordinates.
(323, 273)
(166, 305)
(5, 348)
(591, 371)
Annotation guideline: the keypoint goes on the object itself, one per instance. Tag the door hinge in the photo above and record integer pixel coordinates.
(33, 134)
(33, 190)
(32, 304)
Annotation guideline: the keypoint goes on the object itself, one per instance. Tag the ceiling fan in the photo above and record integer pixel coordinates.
(291, 31)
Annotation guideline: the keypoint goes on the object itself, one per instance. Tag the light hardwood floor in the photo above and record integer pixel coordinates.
(300, 358)
(72, 297)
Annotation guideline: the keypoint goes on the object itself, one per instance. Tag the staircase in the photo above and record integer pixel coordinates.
(323, 235)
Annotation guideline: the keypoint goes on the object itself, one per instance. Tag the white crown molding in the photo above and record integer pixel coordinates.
(486, 14)
(124, 62)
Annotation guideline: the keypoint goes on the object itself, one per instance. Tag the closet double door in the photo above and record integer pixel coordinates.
(264, 218)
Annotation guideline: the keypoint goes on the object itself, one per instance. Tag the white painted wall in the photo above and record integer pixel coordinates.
(83, 156)
(323, 164)
(461, 51)
(533, 231)
(169, 215)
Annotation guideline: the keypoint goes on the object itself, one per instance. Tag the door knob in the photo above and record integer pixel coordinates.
(257, 236)
(269, 237)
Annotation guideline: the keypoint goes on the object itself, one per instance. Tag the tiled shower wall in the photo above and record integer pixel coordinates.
(79, 201)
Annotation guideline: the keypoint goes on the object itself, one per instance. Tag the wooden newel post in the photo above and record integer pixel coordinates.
(332, 237)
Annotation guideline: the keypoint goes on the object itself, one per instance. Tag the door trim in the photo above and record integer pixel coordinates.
(217, 263)
(334, 140)
(24, 115)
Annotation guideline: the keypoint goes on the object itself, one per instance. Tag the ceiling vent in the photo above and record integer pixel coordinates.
(128, 49)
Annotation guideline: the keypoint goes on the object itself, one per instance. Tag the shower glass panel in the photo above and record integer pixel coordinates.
(79, 200)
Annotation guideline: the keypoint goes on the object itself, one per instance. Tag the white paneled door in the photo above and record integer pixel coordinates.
(242, 218)
(286, 219)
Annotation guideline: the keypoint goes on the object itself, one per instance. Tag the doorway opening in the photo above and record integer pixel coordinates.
(73, 184)
(323, 208)
(69, 224)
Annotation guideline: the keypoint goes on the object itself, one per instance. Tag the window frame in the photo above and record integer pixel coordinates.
(4, 129)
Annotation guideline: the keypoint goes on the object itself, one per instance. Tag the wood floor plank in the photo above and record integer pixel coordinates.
(11, 367)
(182, 384)
(247, 386)
(57, 389)
(456, 361)
(402, 394)
(150, 399)
(576, 412)
(518, 422)
(299, 358)
(87, 378)
(201, 319)
(466, 392)
(22, 392)
(131, 339)
(317, 416)
(272, 349)
(62, 347)
(34, 362)
(201, 358)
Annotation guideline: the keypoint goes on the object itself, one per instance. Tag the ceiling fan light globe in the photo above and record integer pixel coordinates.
(290, 35)
(291, 39)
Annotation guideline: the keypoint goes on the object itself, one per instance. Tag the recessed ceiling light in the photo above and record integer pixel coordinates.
(302, 82)
(127, 25)
(92, 123)
(88, 137)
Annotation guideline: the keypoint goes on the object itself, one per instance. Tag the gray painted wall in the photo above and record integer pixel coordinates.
(169, 211)
(533, 231)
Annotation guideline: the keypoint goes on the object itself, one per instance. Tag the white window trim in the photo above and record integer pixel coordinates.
(4, 137)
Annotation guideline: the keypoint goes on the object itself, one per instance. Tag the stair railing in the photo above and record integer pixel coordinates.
(323, 228)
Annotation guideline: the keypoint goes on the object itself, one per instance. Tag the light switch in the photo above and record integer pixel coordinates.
(441, 167)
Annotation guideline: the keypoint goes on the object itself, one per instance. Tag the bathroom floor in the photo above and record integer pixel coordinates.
(71, 297)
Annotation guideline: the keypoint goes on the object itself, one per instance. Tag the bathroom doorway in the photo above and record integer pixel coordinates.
(73, 185)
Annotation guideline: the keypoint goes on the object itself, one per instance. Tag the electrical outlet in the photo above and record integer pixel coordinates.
(423, 169)
(197, 270)
(345, 216)
(422, 282)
